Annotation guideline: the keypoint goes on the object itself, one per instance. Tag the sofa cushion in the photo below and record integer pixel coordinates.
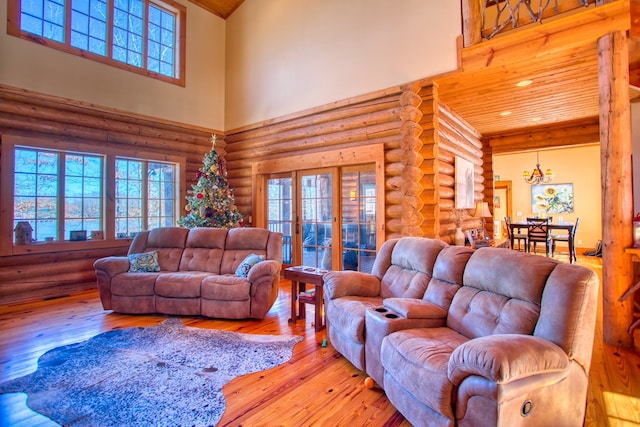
(240, 243)
(143, 262)
(502, 293)
(447, 275)
(348, 315)
(134, 284)
(203, 250)
(246, 264)
(226, 288)
(411, 267)
(180, 285)
(418, 359)
(168, 241)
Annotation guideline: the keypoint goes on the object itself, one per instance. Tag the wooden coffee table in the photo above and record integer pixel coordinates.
(301, 276)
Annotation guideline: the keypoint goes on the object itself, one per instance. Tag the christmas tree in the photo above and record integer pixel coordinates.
(210, 202)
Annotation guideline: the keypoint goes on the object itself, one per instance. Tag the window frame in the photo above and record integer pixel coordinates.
(14, 24)
(7, 168)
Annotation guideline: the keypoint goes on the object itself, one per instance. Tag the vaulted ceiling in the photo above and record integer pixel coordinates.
(563, 73)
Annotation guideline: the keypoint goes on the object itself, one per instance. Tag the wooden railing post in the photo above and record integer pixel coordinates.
(471, 22)
(616, 182)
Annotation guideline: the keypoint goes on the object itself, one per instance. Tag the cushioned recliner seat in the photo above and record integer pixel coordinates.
(515, 349)
(403, 268)
(405, 313)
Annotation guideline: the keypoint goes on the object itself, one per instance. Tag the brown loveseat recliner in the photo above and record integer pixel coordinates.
(513, 347)
(402, 268)
(197, 273)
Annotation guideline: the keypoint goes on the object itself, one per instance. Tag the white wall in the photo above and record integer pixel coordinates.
(285, 56)
(579, 166)
(27, 65)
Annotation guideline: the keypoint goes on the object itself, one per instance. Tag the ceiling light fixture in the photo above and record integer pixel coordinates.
(537, 176)
(524, 83)
(505, 113)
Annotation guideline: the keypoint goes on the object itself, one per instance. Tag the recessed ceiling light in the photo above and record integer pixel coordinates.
(535, 119)
(505, 113)
(524, 83)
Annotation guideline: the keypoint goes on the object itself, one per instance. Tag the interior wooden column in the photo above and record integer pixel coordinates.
(616, 182)
(472, 22)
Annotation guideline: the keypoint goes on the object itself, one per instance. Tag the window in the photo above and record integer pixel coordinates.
(144, 36)
(57, 191)
(61, 191)
(136, 209)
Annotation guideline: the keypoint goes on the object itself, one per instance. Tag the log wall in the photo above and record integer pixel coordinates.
(24, 113)
(421, 138)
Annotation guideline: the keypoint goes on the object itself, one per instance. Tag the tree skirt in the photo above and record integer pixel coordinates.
(164, 375)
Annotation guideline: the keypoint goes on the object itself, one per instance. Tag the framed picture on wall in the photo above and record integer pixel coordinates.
(464, 184)
(552, 198)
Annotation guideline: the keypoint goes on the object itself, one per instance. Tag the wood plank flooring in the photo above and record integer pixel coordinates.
(317, 387)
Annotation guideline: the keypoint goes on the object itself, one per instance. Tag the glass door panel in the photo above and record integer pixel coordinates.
(280, 213)
(315, 215)
(358, 218)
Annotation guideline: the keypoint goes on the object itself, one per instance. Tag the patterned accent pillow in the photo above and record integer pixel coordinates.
(247, 263)
(144, 262)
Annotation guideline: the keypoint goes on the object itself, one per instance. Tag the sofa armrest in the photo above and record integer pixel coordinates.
(112, 265)
(412, 308)
(503, 358)
(269, 268)
(342, 283)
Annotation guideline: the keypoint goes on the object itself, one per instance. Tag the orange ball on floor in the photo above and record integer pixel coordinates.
(369, 383)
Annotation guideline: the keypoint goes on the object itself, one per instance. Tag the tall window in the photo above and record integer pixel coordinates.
(143, 36)
(138, 209)
(58, 192)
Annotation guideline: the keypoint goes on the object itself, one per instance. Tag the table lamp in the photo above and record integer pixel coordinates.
(482, 211)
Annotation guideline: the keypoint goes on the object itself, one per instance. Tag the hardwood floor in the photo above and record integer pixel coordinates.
(316, 387)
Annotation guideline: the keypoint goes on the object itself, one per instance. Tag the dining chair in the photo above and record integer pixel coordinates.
(538, 232)
(570, 238)
(519, 237)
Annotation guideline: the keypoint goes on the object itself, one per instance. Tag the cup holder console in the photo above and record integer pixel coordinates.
(385, 312)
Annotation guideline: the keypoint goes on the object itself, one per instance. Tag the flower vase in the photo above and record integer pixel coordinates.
(458, 237)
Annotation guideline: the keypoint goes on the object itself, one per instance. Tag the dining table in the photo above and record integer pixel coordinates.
(555, 225)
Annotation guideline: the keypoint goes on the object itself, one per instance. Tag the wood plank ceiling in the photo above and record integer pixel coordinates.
(221, 8)
(564, 84)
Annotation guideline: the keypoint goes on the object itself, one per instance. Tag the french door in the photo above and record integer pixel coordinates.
(327, 216)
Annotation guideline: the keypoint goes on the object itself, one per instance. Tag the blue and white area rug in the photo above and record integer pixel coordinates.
(164, 375)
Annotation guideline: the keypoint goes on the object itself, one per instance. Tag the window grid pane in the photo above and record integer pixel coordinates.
(154, 49)
(89, 25)
(44, 18)
(161, 41)
(35, 191)
(160, 195)
(128, 197)
(128, 31)
(83, 193)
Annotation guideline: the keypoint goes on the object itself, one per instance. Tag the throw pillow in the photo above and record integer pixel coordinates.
(144, 262)
(247, 263)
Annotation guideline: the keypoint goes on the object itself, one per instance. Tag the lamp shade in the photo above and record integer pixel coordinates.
(482, 210)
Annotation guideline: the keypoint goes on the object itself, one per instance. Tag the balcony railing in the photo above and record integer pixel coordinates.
(485, 19)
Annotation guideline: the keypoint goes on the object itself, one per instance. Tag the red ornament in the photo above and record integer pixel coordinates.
(199, 196)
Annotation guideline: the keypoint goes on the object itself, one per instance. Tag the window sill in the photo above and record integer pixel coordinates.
(63, 246)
